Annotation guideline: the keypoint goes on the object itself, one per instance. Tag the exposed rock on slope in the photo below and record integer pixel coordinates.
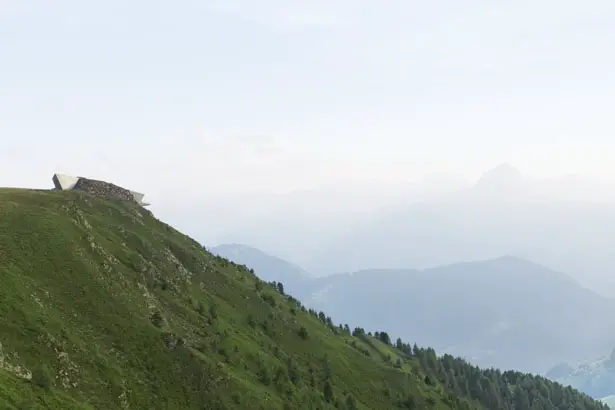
(104, 190)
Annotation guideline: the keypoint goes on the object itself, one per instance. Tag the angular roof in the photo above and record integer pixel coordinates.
(64, 182)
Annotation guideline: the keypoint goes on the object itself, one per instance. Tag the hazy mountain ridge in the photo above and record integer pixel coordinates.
(609, 401)
(295, 224)
(503, 214)
(565, 222)
(594, 377)
(482, 298)
(472, 309)
(267, 267)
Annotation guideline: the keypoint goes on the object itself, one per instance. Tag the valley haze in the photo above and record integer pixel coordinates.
(565, 223)
(442, 171)
(311, 129)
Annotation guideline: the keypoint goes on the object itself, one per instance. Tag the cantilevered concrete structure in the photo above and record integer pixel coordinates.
(64, 182)
(108, 190)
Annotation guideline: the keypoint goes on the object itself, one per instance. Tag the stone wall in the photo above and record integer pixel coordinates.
(105, 190)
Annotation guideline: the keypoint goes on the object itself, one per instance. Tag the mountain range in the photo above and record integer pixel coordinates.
(566, 223)
(505, 312)
(548, 222)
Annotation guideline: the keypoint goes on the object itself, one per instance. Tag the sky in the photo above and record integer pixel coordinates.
(206, 98)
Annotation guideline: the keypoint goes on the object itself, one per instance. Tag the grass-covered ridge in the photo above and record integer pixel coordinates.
(104, 307)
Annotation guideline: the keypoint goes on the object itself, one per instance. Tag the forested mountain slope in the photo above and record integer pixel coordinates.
(104, 307)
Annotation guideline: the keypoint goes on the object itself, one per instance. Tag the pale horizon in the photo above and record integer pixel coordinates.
(289, 124)
(279, 96)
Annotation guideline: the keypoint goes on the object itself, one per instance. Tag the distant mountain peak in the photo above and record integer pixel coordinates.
(502, 179)
(502, 173)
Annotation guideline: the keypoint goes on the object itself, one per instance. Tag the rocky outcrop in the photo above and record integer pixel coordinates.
(105, 190)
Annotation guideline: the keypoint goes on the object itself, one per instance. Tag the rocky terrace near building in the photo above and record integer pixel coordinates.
(104, 190)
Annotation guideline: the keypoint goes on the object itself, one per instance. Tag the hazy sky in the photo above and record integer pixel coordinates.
(234, 95)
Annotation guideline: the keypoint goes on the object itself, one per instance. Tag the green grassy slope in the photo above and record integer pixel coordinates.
(104, 307)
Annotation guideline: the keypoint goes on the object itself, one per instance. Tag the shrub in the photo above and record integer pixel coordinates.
(269, 299)
(303, 333)
(213, 311)
(41, 377)
(236, 398)
(157, 319)
(201, 309)
(351, 403)
(328, 391)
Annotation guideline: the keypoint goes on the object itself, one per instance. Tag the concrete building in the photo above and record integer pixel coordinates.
(102, 189)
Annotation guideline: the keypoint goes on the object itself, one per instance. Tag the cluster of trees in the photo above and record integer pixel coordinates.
(490, 388)
(495, 389)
